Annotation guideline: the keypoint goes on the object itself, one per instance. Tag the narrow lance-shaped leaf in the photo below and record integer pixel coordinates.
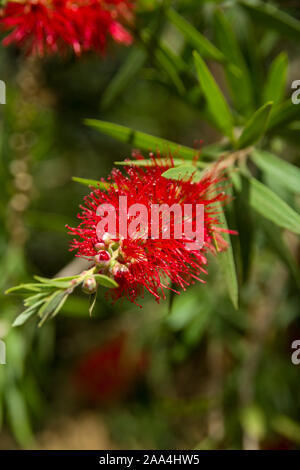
(283, 114)
(269, 205)
(169, 67)
(54, 282)
(125, 74)
(164, 161)
(176, 59)
(290, 133)
(276, 80)
(141, 140)
(287, 427)
(93, 298)
(255, 127)
(277, 243)
(217, 105)
(165, 61)
(60, 304)
(32, 299)
(18, 417)
(47, 280)
(227, 262)
(195, 38)
(283, 171)
(1, 406)
(240, 83)
(28, 313)
(50, 305)
(183, 172)
(106, 281)
(272, 17)
(89, 182)
(245, 225)
(24, 288)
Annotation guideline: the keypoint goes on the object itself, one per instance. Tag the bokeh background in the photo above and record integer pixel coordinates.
(199, 375)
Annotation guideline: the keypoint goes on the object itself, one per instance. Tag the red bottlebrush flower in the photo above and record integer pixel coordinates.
(109, 372)
(140, 263)
(49, 26)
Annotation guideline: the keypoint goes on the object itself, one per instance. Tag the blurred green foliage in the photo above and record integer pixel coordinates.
(219, 371)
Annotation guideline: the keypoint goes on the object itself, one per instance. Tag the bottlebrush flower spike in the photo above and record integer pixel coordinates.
(138, 262)
(49, 26)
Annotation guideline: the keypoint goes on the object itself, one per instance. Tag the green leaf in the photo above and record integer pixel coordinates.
(285, 172)
(214, 151)
(287, 427)
(127, 72)
(270, 16)
(60, 304)
(55, 282)
(28, 313)
(50, 305)
(227, 262)
(32, 299)
(211, 152)
(183, 172)
(93, 298)
(141, 140)
(24, 288)
(244, 221)
(276, 82)
(255, 127)
(195, 38)
(269, 205)
(163, 161)
(253, 421)
(106, 281)
(60, 279)
(240, 84)
(167, 64)
(217, 104)
(175, 58)
(282, 114)
(277, 243)
(18, 416)
(164, 59)
(90, 183)
(1, 409)
(291, 133)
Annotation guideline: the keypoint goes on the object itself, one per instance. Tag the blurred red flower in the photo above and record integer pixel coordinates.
(49, 26)
(107, 373)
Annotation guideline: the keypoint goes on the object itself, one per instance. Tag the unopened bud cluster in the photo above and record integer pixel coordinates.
(109, 258)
